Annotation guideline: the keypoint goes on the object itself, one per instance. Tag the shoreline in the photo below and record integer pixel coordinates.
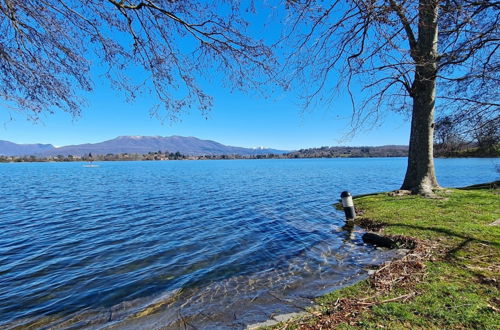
(410, 283)
(405, 249)
(224, 157)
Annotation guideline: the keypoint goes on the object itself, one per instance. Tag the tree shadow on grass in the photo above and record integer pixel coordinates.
(482, 186)
(444, 231)
(451, 254)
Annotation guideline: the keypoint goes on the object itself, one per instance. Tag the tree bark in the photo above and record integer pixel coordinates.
(420, 175)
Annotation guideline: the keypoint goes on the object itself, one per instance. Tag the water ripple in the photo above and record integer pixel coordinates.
(152, 244)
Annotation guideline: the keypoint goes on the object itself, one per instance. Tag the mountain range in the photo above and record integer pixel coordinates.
(135, 145)
(13, 149)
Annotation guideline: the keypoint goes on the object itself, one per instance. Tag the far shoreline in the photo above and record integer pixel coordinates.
(67, 159)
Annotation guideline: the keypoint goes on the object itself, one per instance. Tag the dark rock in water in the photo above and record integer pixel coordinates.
(377, 240)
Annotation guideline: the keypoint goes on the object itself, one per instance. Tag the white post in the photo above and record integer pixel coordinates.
(348, 205)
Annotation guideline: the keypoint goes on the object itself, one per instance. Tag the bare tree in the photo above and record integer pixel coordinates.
(395, 52)
(487, 135)
(448, 140)
(470, 134)
(48, 48)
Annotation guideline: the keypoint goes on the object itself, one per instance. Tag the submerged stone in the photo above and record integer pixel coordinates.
(377, 240)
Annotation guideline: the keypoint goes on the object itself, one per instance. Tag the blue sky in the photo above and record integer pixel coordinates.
(239, 119)
(236, 119)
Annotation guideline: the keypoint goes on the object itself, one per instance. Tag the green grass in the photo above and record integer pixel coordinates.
(460, 286)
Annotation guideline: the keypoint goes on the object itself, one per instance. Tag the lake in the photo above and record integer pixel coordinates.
(211, 244)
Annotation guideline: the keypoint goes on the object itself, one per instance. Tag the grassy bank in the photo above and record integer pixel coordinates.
(449, 280)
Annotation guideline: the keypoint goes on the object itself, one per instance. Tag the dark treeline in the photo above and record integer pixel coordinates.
(355, 152)
(466, 149)
(462, 149)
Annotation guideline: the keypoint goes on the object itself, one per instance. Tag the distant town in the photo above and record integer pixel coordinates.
(323, 152)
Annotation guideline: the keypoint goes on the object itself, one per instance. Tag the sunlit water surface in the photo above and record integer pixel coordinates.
(174, 244)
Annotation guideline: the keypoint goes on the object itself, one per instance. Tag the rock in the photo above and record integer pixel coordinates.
(377, 240)
(275, 320)
(268, 323)
(403, 252)
(286, 317)
(495, 223)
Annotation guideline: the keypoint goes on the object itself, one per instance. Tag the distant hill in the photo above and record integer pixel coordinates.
(13, 149)
(190, 146)
(337, 152)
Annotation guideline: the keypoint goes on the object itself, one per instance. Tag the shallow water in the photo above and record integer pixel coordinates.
(179, 243)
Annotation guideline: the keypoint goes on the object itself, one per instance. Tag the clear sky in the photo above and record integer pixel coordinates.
(238, 119)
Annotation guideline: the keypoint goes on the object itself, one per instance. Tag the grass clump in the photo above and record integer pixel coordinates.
(449, 280)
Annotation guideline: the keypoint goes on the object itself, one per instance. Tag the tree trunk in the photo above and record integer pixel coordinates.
(420, 176)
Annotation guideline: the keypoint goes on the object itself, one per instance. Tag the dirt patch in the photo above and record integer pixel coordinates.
(346, 311)
(406, 242)
(399, 193)
(405, 272)
(369, 224)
